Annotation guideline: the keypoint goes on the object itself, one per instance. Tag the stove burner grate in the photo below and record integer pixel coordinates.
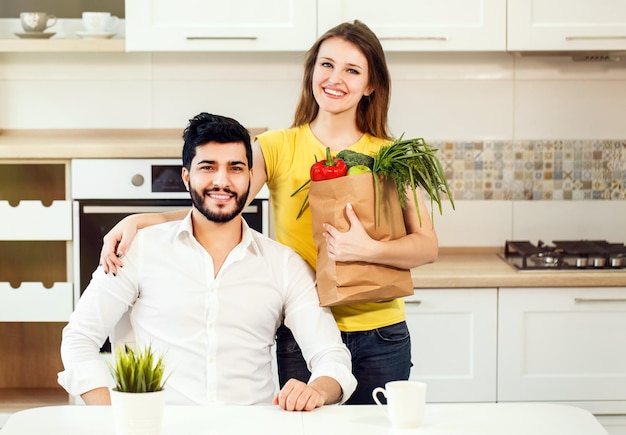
(565, 254)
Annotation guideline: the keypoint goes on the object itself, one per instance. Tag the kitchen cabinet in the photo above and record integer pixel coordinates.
(563, 345)
(453, 343)
(424, 25)
(35, 293)
(36, 230)
(577, 25)
(212, 25)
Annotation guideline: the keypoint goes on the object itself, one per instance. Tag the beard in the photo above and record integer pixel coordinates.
(219, 216)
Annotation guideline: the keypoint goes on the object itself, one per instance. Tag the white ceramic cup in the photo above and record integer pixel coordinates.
(99, 22)
(405, 402)
(37, 21)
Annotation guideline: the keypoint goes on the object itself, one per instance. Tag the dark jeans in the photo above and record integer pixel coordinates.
(378, 356)
(289, 357)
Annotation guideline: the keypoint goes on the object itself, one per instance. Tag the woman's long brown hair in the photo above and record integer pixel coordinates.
(372, 111)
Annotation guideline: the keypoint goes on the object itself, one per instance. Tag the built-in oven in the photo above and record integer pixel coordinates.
(106, 190)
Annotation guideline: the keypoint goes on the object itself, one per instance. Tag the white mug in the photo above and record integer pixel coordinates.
(405, 402)
(99, 22)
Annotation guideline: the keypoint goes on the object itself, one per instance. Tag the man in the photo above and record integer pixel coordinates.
(210, 292)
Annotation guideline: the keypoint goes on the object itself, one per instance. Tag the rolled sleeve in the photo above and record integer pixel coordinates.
(315, 329)
(339, 372)
(86, 377)
(99, 309)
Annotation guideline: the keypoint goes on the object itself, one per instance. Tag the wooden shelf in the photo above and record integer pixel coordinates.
(92, 144)
(18, 399)
(62, 45)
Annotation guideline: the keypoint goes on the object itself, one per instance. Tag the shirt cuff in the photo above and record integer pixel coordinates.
(341, 374)
(86, 377)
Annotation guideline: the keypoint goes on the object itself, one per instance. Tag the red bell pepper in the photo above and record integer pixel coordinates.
(329, 168)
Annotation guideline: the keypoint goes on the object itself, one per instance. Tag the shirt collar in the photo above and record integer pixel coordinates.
(248, 237)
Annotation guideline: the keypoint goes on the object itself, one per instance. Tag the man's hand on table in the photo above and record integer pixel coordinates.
(298, 396)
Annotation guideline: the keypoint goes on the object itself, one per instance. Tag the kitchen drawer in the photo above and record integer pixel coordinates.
(32, 302)
(32, 220)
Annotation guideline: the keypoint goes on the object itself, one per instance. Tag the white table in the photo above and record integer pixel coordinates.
(461, 419)
(450, 419)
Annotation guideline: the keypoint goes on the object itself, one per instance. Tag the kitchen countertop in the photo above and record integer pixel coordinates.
(94, 144)
(481, 267)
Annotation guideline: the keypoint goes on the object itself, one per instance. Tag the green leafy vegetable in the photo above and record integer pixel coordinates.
(353, 158)
(411, 163)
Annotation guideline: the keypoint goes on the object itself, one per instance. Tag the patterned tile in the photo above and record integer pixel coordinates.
(535, 170)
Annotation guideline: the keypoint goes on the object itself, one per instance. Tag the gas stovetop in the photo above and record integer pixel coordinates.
(570, 255)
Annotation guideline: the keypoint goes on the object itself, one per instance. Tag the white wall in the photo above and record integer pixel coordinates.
(438, 96)
(490, 223)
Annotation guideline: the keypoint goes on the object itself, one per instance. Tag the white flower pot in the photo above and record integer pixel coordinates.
(138, 413)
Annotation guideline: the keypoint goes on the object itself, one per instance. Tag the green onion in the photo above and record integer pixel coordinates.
(411, 163)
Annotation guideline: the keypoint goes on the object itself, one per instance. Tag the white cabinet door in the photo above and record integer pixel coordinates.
(211, 25)
(572, 25)
(424, 25)
(562, 344)
(453, 343)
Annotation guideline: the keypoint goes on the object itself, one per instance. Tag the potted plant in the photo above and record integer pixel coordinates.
(138, 396)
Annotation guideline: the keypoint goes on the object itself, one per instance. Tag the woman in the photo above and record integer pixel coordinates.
(343, 104)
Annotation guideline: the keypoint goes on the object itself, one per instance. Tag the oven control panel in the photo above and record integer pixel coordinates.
(130, 179)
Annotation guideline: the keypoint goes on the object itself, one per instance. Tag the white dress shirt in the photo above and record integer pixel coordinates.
(216, 331)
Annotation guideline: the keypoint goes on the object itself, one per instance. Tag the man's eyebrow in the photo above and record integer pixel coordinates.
(205, 161)
(213, 162)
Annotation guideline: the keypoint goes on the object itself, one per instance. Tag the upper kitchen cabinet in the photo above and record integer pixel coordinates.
(577, 25)
(213, 25)
(424, 25)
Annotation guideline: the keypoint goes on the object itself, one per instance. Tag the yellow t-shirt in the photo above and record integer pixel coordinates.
(289, 154)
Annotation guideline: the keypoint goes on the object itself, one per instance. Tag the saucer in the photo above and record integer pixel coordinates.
(35, 35)
(95, 35)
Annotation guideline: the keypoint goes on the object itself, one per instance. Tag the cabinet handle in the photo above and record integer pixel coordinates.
(582, 300)
(413, 38)
(593, 38)
(414, 301)
(222, 38)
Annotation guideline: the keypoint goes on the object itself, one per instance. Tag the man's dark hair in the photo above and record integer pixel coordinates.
(205, 127)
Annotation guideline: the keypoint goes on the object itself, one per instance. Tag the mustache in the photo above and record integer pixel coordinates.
(220, 189)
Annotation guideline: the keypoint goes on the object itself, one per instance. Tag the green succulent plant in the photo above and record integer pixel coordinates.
(138, 371)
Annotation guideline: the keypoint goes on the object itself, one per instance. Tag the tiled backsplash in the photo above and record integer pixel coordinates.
(535, 170)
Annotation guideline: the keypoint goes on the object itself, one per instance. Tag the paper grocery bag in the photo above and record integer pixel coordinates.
(341, 283)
